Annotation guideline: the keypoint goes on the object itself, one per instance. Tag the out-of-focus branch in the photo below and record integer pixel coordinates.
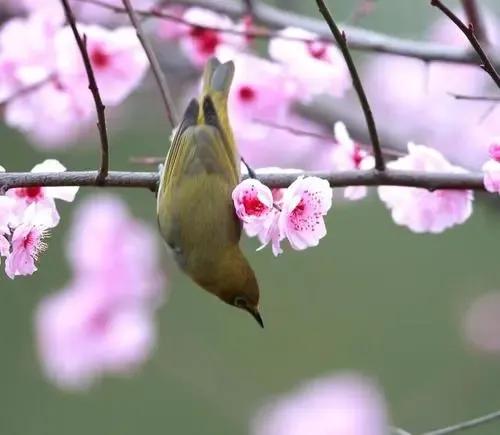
(486, 98)
(155, 65)
(149, 180)
(468, 31)
(99, 106)
(340, 37)
(474, 17)
(466, 424)
(359, 39)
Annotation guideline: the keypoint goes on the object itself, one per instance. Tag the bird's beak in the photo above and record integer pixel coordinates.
(256, 315)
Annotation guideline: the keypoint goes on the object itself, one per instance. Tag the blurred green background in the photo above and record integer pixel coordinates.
(372, 297)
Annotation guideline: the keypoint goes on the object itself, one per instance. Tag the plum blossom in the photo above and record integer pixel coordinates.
(317, 66)
(43, 197)
(491, 168)
(81, 335)
(346, 404)
(29, 60)
(117, 57)
(103, 321)
(348, 156)
(305, 202)
(419, 209)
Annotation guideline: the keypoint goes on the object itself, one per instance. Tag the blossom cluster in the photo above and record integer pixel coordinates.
(26, 216)
(43, 82)
(103, 320)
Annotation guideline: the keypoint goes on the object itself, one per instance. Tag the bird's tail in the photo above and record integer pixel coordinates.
(217, 79)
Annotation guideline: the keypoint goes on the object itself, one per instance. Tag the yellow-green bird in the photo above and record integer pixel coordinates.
(195, 211)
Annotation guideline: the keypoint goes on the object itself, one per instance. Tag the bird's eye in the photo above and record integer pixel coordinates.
(240, 302)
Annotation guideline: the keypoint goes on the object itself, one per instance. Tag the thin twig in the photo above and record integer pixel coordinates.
(468, 31)
(358, 86)
(475, 97)
(99, 106)
(466, 424)
(155, 65)
(390, 177)
(475, 18)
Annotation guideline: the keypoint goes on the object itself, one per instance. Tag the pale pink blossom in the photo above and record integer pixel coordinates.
(28, 60)
(317, 66)
(349, 156)
(257, 207)
(482, 323)
(201, 40)
(81, 335)
(43, 198)
(491, 180)
(107, 242)
(346, 404)
(117, 57)
(26, 244)
(419, 209)
(259, 92)
(304, 204)
(494, 149)
(52, 115)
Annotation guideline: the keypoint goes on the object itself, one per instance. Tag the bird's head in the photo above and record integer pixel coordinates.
(244, 294)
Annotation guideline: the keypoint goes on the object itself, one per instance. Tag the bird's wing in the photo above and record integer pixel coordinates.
(175, 151)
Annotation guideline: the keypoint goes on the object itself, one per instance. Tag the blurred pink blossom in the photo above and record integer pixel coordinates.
(121, 251)
(304, 204)
(117, 57)
(482, 323)
(349, 156)
(345, 404)
(43, 197)
(419, 209)
(491, 170)
(26, 60)
(494, 149)
(81, 335)
(103, 321)
(317, 67)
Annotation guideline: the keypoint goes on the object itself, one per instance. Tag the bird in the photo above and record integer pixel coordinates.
(195, 212)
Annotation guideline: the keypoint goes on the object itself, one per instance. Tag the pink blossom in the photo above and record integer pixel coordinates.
(201, 41)
(26, 244)
(481, 323)
(107, 242)
(81, 335)
(43, 197)
(345, 404)
(51, 115)
(491, 170)
(494, 149)
(28, 60)
(259, 92)
(419, 209)
(102, 323)
(317, 66)
(349, 156)
(253, 201)
(117, 58)
(304, 204)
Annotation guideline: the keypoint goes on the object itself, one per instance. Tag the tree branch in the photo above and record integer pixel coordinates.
(365, 105)
(149, 180)
(155, 65)
(466, 424)
(471, 36)
(99, 106)
(487, 98)
(359, 39)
